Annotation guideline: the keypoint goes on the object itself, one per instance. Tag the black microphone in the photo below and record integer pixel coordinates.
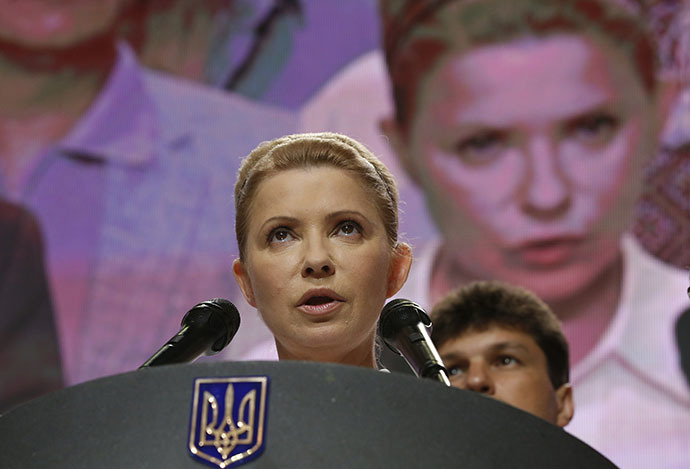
(404, 327)
(206, 329)
(683, 341)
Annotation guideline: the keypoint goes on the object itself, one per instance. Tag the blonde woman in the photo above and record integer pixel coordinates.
(317, 229)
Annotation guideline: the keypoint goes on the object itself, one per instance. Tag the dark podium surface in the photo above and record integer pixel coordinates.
(318, 415)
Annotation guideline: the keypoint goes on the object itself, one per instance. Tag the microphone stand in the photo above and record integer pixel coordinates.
(429, 368)
(404, 327)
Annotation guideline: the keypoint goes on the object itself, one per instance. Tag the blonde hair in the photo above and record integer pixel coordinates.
(313, 150)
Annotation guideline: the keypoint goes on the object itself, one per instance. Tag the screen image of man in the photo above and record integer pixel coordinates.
(127, 172)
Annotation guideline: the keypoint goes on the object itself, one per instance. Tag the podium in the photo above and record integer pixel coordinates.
(315, 415)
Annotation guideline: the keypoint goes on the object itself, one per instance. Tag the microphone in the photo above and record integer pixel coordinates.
(206, 329)
(682, 330)
(404, 327)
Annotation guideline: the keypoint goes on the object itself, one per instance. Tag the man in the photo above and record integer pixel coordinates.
(504, 342)
(128, 173)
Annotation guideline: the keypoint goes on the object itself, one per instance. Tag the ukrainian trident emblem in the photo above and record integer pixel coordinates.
(228, 419)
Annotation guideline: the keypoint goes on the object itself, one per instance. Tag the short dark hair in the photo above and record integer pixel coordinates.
(480, 305)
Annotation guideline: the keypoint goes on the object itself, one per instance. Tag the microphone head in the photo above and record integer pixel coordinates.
(682, 330)
(398, 314)
(217, 315)
(405, 327)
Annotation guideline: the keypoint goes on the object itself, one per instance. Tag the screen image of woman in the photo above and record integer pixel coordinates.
(317, 230)
(531, 130)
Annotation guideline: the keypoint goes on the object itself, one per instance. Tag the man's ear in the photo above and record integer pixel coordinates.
(566, 407)
(398, 142)
(243, 280)
(399, 269)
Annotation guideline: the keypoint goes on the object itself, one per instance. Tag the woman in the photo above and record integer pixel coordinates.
(527, 124)
(316, 223)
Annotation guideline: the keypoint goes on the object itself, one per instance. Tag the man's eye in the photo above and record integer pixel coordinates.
(506, 360)
(482, 148)
(455, 370)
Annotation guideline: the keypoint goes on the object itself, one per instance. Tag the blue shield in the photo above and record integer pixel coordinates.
(228, 419)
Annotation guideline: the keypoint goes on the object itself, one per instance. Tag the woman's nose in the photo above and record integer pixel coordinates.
(546, 192)
(317, 260)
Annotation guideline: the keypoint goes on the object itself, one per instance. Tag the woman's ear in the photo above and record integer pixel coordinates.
(566, 407)
(399, 269)
(243, 280)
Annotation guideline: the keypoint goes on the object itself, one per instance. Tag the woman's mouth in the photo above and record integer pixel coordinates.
(548, 252)
(318, 302)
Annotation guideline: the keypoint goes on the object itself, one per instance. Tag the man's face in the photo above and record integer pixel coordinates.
(530, 156)
(507, 365)
(48, 24)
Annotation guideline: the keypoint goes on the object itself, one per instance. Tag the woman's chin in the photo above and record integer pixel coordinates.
(557, 285)
(324, 343)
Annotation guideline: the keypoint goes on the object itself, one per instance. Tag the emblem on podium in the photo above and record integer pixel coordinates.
(228, 419)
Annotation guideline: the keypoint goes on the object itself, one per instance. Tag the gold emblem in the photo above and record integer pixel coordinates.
(228, 419)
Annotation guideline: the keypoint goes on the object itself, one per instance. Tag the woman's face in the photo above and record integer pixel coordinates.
(318, 265)
(530, 155)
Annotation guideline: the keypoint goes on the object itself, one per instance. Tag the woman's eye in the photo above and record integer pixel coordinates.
(279, 235)
(482, 148)
(594, 129)
(349, 228)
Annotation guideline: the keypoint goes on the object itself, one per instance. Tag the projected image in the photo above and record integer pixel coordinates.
(124, 122)
(541, 144)
(548, 145)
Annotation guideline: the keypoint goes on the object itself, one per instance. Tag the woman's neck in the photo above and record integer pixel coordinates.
(363, 356)
(585, 314)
